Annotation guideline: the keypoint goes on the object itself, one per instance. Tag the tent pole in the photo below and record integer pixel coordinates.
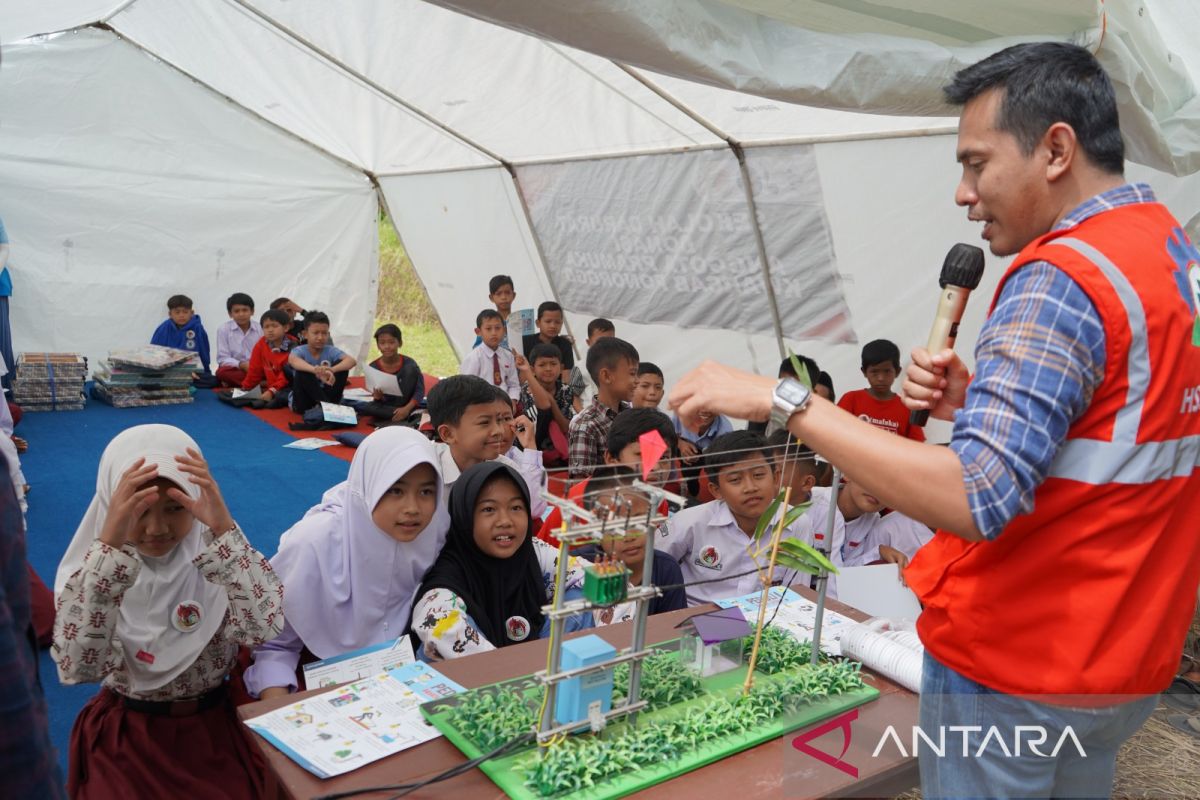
(740, 154)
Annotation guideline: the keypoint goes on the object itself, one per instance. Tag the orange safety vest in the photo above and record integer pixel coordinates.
(1093, 590)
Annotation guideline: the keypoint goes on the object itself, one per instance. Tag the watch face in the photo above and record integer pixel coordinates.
(793, 392)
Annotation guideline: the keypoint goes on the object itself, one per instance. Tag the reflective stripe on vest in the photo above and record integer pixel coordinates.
(1123, 460)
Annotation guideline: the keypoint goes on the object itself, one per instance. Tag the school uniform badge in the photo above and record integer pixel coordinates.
(709, 557)
(187, 616)
(517, 628)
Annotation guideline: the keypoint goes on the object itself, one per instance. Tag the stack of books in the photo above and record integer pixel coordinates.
(149, 375)
(50, 381)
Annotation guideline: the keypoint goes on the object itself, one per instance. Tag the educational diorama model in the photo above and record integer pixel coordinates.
(599, 724)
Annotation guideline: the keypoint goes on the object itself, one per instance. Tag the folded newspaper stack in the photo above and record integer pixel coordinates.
(50, 381)
(149, 375)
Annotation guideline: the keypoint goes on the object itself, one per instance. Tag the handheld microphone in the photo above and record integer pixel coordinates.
(961, 274)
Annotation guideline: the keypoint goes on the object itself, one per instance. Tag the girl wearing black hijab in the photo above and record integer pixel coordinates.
(488, 586)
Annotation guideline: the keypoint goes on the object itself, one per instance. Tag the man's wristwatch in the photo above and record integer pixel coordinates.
(789, 397)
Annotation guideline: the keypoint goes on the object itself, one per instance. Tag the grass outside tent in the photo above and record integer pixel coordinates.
(402, 301)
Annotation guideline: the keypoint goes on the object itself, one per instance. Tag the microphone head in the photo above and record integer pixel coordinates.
(963, 267)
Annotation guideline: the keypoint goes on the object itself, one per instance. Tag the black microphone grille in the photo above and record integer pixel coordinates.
(963, 267)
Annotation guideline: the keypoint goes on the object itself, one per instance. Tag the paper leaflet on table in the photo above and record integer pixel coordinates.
(249, 394)
(359, 664)
(333, 412)
(797, 615)
(339, 730)
(385, 382)
(310, 444)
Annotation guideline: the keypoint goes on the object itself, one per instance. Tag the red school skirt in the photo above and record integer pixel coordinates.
(118, 754)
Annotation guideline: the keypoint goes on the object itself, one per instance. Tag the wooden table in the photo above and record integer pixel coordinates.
(773, 769)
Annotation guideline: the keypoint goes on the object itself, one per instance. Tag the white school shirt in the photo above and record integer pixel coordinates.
(901, 532)
(528, 463)
(708, 544)
(479, 362)
(818, 512)
(235, 345)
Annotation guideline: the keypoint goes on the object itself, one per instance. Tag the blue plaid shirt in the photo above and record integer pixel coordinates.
(1039, 359)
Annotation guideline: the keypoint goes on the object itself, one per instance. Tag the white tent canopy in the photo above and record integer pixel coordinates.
(212, 146)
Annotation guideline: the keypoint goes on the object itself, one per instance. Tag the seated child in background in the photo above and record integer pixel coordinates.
(597, 329)
(610, 493)
(549, 329)
(488, 585)
(878, 404)
(623, 447)
(319, 369)
(824, 386)
(692, 443)
(797, 465)
(292, 309)
(546, 401)
(236, 339)
(858, 514)
(355, 560)
(710, 541)
(517, 324)
(490, 360)
(266, 368)
(474, 423)
(648, 391)
(896, 539)
(386, 409)
(183, 330)
(613, 364)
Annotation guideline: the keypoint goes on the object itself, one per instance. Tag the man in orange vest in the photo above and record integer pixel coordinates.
(1059, 587)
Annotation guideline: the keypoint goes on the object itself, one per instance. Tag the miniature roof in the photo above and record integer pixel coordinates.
(718, 626)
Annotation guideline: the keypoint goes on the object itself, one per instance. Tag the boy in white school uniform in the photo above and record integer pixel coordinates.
(869, 536)
(495, 364)
(711, 541)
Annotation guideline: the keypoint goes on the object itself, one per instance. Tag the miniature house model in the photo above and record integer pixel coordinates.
(712, 642)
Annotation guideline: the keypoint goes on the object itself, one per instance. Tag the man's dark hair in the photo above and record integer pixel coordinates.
(549, 305)
(880, 351)
(599, 325)
(646, 368)
(280, 302)
(787, 370)
(498, 282)
(239, 299)
(607, 353)
(544, 350)
(316, 317)
(1045, 83)
(178, 301)
(631, 423)
(487, 313)
(278, 315)
(826, 380)
(730, 448)
(389, 329)
(450, 398)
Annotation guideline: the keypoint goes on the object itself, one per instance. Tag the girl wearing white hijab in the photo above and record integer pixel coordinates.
(155, 593)
(356, 559)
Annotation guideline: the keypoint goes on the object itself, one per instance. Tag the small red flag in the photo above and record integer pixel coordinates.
(653, 448)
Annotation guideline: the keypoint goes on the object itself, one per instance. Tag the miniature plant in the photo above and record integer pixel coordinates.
(493, 715)
(779, 651)
(581, 762)
(664, 681)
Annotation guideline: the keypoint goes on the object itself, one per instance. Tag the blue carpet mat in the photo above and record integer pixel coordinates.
(266, 487)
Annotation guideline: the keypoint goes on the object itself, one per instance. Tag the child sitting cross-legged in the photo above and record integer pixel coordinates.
(236, 339)
(547, 401)
(266, 368)
(387, 409)
(488, 586)
(356, 559)
(183, 330)
(155, 593)
(320, 370)
(711, 541)
(611, 495)
(474, 422)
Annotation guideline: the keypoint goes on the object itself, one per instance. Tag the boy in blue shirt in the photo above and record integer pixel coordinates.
(320, 369)
(183, 330)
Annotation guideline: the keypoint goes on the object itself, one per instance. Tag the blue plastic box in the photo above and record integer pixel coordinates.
(576, 694)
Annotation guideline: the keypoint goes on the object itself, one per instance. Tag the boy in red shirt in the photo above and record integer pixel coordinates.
(268, 358)
(878, 404)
